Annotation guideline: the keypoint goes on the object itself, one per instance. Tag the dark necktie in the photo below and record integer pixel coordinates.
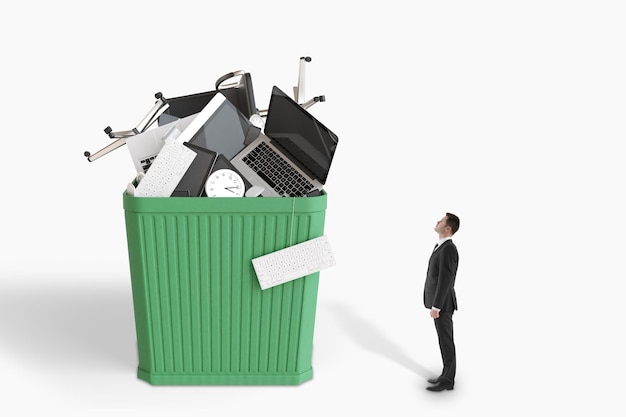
(436, 246)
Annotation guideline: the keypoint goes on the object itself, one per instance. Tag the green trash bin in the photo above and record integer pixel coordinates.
(201, 317)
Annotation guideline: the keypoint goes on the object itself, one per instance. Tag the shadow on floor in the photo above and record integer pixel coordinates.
(371, 338)
(68, 326)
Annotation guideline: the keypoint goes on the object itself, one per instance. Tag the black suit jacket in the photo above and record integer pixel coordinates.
(440, 277)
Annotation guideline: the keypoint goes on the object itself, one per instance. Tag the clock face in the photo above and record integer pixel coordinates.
(225, 183)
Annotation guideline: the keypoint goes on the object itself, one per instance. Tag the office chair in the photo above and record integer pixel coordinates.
(159, 107)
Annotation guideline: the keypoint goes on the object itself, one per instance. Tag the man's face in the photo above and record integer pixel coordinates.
(441, 225)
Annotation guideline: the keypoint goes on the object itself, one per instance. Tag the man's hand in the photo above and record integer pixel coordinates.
(434, 313)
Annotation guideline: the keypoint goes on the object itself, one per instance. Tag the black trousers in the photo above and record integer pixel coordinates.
(445, 333)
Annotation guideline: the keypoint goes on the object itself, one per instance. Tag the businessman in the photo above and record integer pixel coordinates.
(440, 298)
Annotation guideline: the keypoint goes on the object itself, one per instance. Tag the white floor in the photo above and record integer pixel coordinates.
(69, 344)
(508, 114)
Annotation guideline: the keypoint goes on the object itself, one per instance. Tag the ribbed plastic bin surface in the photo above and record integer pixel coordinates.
(200, 315)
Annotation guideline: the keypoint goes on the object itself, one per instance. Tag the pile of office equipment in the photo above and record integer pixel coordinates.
(219, 144)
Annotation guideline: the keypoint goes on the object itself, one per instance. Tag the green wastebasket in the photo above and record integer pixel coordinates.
(201, 317)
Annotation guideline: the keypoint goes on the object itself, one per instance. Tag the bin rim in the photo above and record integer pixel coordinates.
(224, 204)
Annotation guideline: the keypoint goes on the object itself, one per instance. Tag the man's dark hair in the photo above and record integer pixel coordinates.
(453, 221)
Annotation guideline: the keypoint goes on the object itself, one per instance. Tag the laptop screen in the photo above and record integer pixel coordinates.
(295, 131)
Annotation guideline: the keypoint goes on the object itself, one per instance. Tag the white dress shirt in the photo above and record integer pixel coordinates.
(441, 241)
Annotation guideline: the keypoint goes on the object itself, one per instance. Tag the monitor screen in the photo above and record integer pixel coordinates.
(220, 127)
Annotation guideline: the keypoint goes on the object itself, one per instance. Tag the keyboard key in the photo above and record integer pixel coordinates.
(274, 170)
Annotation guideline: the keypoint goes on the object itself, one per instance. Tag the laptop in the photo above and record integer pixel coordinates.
(292, 157)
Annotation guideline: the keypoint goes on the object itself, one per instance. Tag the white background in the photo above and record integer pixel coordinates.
(509, 114)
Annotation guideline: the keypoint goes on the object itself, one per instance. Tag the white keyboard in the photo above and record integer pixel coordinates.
(293, 262)
(166, 171)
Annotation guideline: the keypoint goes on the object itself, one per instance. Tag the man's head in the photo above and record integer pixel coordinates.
(448, 225)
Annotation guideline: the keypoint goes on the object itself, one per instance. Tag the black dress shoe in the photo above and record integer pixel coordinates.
(441, 386)
(433, 380)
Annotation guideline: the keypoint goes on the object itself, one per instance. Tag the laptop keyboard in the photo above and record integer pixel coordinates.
(274, 170)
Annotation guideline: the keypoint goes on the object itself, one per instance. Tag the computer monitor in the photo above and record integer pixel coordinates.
(220, 127)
